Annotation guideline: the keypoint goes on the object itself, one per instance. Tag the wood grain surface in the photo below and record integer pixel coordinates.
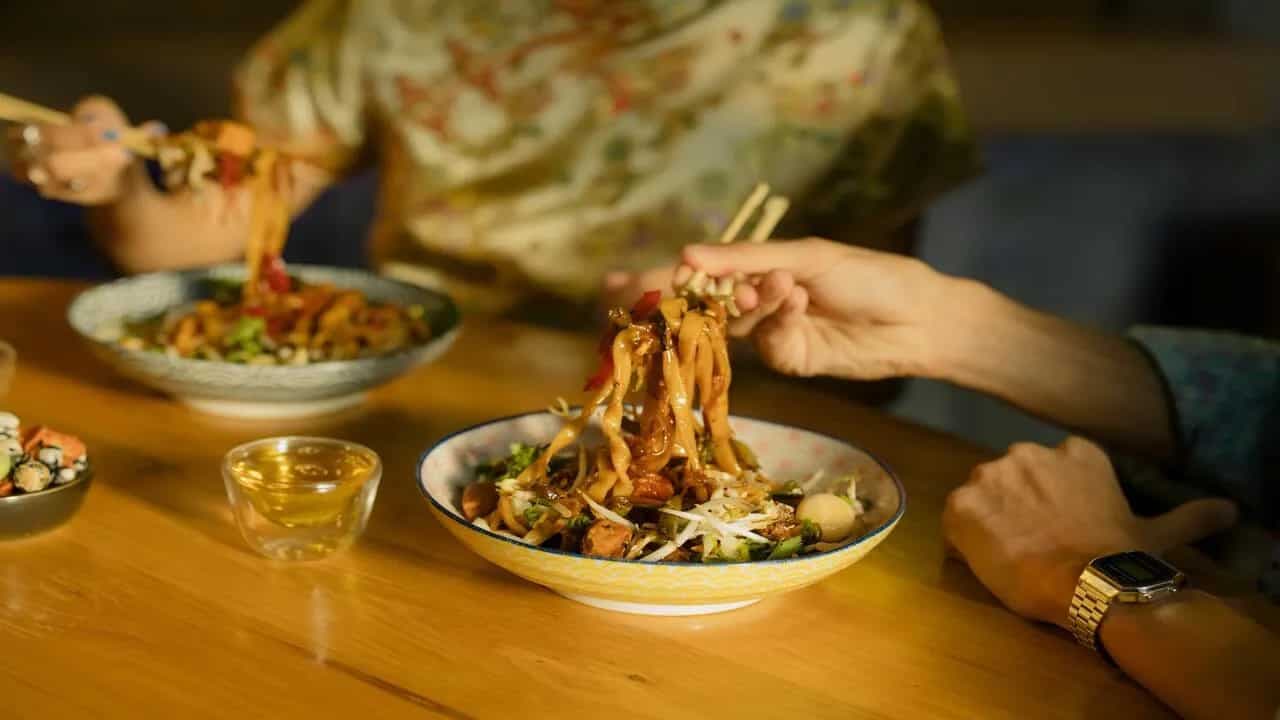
(149, 604)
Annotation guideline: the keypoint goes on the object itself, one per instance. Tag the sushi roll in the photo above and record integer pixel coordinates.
(50, 455)
(9, 421)
(11, 448)
(32, 476)
(66, 475)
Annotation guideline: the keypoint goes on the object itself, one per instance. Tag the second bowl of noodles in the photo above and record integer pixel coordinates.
(220, 383)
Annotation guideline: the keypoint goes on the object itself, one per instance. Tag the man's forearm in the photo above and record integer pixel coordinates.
(1086, 380)
(1198, 655)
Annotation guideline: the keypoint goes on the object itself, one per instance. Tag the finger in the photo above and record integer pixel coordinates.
(101, 113)
(746, 297)
(60, 138)
(772, 292)
(681, 278)
(784, 339)
(1080, 449)
(615, 281)
(84, 176)
(85, 164)
(803, 258)
(1190, 522)
(796, 304)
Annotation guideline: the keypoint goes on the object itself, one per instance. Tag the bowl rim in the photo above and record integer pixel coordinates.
(451, 326)
(446, 512)
(14, 500)
(375, 475)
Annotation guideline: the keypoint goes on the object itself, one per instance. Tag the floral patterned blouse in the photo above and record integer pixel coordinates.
(1225, 391)
(536, 144)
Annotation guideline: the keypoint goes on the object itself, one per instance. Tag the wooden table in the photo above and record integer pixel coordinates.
(148, 603)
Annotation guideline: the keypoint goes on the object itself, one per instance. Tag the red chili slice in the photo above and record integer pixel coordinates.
(230, 169)
(602, 375)
(646, 306)
(274, 274)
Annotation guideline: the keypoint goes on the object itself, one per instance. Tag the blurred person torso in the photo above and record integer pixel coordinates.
(533, 145)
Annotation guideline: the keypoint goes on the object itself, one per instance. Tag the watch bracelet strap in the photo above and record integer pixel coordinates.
(1088, 608)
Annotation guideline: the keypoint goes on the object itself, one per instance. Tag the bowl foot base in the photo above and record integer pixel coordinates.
(259, 410)
(658, 608)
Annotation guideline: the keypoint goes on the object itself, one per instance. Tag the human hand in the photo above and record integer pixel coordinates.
(815, 307)
(1028, 523)
(83, 162)
(621, 289)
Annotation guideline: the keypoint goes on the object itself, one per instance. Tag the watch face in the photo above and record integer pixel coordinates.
(1135, 569)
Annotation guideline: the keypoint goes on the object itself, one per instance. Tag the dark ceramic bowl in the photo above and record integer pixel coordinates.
(32, 513)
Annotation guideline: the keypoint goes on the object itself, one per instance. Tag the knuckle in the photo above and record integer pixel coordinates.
(1025, 451)
(1078, 447)
(960, 501)
(987, 473)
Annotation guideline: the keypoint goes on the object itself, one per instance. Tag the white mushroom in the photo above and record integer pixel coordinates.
(832, 513)
(32, 476)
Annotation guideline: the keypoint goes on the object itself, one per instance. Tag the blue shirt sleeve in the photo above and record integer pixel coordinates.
(1225, 395)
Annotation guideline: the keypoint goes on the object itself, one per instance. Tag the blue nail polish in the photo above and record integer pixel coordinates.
(111, 135)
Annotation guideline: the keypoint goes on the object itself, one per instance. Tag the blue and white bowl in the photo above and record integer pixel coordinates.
(664, 588)
(252, 391)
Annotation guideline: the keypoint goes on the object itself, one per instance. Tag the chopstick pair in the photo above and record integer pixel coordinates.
(17, 110)
(771, 208)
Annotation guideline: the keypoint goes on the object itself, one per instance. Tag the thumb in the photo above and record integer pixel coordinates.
(801, 258)
(1190, 522)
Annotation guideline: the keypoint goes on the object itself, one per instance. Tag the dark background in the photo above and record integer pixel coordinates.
(1132, 151)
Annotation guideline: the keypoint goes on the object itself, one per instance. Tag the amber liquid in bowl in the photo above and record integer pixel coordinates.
(301, 498)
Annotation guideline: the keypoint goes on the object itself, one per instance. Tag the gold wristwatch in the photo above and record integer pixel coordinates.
(1127, 577)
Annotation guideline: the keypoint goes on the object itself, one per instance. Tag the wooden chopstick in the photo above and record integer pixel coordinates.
(699, 284)
(17, 110)
(744, 213)
(20, 111)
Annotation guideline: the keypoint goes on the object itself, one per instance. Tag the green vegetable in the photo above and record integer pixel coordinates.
(6, 464)
(670, 525)
(787, 548)
(758, 551)
(533, 514)
(788, 490)
(579, 522)
(810, 532)
(745, 454)
(247, 330)
(521, 457)
(225, 291)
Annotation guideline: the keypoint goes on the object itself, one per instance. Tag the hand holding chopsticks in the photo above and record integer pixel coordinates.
(16, 110)
(698, 284)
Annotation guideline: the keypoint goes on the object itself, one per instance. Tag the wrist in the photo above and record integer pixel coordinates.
(970, 332)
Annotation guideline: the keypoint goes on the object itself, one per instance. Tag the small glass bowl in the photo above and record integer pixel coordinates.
(301, 498)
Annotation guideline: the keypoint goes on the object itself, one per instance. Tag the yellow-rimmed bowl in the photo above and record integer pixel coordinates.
(663, 588)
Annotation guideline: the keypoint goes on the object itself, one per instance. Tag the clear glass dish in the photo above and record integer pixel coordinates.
(301, 498)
